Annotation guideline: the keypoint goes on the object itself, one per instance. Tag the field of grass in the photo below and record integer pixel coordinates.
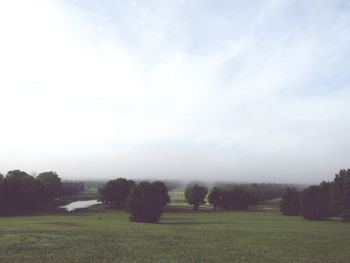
(104, 235)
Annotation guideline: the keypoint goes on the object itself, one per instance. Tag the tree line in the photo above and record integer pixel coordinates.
(320, 201)
(21, 192)
(145, 201)
(225, 197)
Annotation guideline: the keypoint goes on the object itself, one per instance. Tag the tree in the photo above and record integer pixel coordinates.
(346, 215)
(19, 192)
(236, 198)
(195, 195)
(52, 185)
(314, 202)
(115, 192)
(144, 203)
(69, 188)
(215, 197)
(163, 193)
(290, 203)
(340, 192)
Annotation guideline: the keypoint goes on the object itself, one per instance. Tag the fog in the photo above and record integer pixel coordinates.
(197, 90)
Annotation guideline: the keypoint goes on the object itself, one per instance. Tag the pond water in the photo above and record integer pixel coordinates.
(80, 204)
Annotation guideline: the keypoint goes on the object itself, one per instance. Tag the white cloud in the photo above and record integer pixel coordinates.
(236, 90)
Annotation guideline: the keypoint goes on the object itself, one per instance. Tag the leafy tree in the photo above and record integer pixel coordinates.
(314, 202)
(51, 183)
(215, 197)
(340, 192)
(195, 195)
(69, 187)
(236, 198)
(20, 192)
(163, 193)
(290, 203)
(144, 203)
(115, 192)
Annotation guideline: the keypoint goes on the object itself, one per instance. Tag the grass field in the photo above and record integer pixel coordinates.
(104, 235)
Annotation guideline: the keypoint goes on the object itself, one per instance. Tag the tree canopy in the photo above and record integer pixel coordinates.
(145, 203)
(19, 192)
(195, 195)
(290, 203)
(115, 192)
(52, 184)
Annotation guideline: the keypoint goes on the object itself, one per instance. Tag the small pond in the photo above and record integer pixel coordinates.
(80, 204)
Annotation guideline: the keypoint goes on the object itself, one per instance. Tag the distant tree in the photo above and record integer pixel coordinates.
(52, 185)
(163, 193)
(314, 202)
(215, 197)
(71, 187)
(340, 192)
(145, 204)
(1, 176)
(236, 198)
(195, 195)
(171, 184)
(115, 192)
(290, 203)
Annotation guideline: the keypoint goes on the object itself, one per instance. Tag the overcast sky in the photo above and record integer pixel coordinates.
(230, 90)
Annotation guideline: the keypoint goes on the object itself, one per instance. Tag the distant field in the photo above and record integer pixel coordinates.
(104, 235)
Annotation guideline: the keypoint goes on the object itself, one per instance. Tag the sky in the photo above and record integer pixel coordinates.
(245, 91)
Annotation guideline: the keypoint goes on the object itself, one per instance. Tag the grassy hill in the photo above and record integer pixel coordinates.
(104, 235)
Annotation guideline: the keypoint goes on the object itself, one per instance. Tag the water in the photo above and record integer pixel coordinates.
(80, 204)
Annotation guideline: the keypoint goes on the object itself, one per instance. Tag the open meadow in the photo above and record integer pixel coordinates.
(99, 234)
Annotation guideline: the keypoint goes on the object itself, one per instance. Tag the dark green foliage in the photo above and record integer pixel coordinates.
(19, 192)
(340, 192)
(52, 185)
(346, 215)
(236, 198)
(233, 197)
(195, 195)
(314, 201)
(259, 192)
(215, 197)
(69, 188)
(290, 203)
(115, 192)
(163, 193)
(145, 203)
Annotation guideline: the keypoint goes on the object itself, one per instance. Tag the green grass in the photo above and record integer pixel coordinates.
(104, 235)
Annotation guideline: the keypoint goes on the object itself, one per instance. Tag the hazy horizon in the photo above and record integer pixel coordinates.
(244, 91)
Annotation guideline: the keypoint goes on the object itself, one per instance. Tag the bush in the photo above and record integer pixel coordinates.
(145, 203)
